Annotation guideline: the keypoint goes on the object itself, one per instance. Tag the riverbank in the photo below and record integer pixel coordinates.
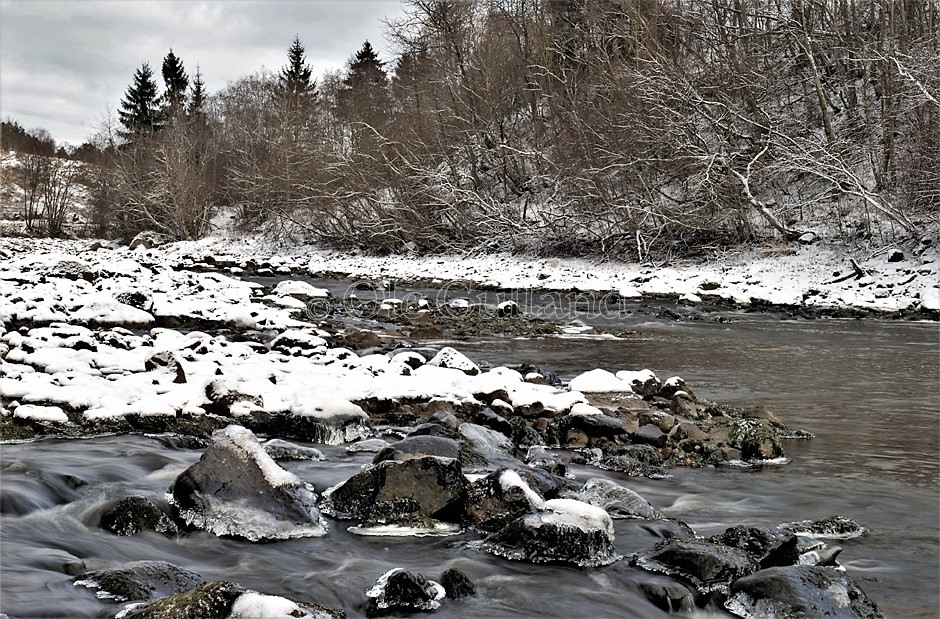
(798, 280)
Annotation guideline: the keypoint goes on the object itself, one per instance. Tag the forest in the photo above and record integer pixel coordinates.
(633, 129)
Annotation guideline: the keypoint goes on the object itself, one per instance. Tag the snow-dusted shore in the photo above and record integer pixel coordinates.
(904, 278)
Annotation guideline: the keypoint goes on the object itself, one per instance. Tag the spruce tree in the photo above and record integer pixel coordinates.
(176, 82)
(295, 86)
(365, 69)
(197, 95)
(140, 108)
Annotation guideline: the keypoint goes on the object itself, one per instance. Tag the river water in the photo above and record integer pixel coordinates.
(868, 390)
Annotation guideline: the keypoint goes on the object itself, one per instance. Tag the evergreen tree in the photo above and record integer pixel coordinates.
(197, 95)
(365, 95)
(140, 108)
(295, 86)
(176, 82)
(365, 69)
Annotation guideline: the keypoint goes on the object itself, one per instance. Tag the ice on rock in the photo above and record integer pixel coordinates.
(237, 489)
(561, 530)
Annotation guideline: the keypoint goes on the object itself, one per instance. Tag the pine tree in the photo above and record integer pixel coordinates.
(197, 95)
(295, 86)
(365, 95)
(140, 108)
(176, 82)
(365, 69)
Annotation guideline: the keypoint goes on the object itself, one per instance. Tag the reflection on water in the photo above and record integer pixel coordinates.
(868, 390)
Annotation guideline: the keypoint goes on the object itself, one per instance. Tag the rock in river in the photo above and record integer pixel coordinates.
(134, 514)
(706, 565)
(140, 580)
(562, 530)
(431, 484)
(237, 489)
(799, 591)
(401, 590)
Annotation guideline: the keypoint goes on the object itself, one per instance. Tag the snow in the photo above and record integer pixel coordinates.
(40, 413)
(599, 381)
(254, 605)
(300, 290)
(510, 479)
(245, 440)
(439, 529)
(583, 409)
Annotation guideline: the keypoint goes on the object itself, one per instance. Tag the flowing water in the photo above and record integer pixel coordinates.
(868, 390)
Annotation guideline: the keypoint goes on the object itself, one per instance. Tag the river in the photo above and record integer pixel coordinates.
(868, 390)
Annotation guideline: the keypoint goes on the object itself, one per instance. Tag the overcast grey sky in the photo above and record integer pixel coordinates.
(63, 63)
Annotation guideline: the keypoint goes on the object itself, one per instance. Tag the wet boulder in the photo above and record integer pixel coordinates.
(490, 419)
(134, 514)
(833, 527)
(708, 566)
(635, 461)
(434, 485)
(616, 500)
(285, 450)
(417, 446)
(562, 531)
(799, 591)
(755, 440)
(400, 590)
(597, 426)
(683, 405)
(499, 498)
(228, 599)
(237, 489)
(668, 595)
(769, 547)
(140, 580)
(483, 448)
(456, 584)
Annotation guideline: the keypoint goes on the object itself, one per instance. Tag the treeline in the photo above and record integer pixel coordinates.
(634, 128)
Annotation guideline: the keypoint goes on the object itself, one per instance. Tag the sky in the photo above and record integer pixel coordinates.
(65, 63)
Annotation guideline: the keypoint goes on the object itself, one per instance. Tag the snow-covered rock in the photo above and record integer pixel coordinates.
(300, 290)
(561, 530)
(237, 489)
(599, 381)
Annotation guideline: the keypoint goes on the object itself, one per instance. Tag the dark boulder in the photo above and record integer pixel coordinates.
(418, 446)
(401, 590)
(237, 489)
(285, 450)
(706, 565)
(616, 500)
(499, 498)
(140, 580)
(769, 547)
(561, 531)
(833, 527)
(799, 592)
(668, 595)
(755, 440)
(489, 419)
(134, 514)
(436, 485)
(227, 599)
(598, 425)
(456, 584)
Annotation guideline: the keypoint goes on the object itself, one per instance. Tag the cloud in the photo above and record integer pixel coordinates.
(63, 64)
